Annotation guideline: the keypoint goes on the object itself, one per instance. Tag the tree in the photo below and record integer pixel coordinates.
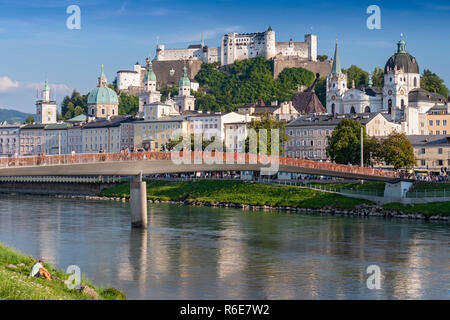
(397, 151)
(165, 92)
(378, 77)
(128, 104)
(247, 81)
(433, 83)
(29, 120)
(268, 124)
(69, 104)
(323, 57)
(170, 145)
(356, 73)
(321, 90)
(344, 145)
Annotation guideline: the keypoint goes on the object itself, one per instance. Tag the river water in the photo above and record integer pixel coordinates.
(217, 253)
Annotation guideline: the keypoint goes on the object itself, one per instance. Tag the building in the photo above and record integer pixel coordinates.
(103, 135)
(432, 153)
(235, 135)
(149, 94)
(193, 52)
(75, 138)
(308, 134)
(184, 101)
(56, 139)
(211, 124)
(46, 109)
(127, 135)
(127, 79)
(437, 120)
(241, 46)
(103, 101)
(401, 97)
(31, 139)
(154, 134)
(9, 140)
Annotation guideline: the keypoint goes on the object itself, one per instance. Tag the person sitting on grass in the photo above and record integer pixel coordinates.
(38, 270)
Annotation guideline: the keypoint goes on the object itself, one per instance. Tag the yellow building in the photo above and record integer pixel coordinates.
(432, 153)
(156, 133)
(438, 120)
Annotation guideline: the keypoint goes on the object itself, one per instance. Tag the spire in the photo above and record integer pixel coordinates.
(149, 75)
(102, 80)
(370, 83)
(46, 85)
(184, 80)
(401, 45)
(336, 61)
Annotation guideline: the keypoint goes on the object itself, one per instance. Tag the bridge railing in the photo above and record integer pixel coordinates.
(206, 157)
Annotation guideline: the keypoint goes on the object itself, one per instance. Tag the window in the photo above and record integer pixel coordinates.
(430, 122)
(440, 162)
(422, 151)
(438, 122)
(444, 122)
(438, 132)
(440, 151)
(422, 163)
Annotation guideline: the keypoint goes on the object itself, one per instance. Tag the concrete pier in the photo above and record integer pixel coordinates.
(138, 201)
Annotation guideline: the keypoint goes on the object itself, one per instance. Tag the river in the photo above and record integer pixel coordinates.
(217, 253)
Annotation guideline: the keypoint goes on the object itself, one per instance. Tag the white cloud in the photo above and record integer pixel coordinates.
(6, 84)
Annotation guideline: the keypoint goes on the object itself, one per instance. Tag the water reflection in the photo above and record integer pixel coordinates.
(211, 253)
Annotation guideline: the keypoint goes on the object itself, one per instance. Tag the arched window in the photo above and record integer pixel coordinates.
(352, 110)
(367, 109)
(403, 103)
(390, 106)
(415, 81)
(333, 108)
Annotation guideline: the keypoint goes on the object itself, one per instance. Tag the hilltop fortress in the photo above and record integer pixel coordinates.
(168, 63)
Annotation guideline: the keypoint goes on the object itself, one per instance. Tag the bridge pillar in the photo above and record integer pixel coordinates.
(138, 201)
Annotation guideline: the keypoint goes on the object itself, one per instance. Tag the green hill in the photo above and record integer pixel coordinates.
(13, 116)
(227, 88)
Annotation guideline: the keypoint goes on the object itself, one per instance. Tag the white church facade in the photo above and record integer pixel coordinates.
(401, 99)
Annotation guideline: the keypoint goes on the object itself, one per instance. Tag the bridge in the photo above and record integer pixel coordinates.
(136, 164)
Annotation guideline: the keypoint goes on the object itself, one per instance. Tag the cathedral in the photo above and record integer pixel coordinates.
(150, 105)
(401, 99)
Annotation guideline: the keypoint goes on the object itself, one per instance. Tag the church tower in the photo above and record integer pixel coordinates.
(401, 75)
(149, 94)
(184, 100)
(45, 108)
(102, 101)
(336, 86)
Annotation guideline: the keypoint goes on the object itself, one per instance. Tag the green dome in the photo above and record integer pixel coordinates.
(149, 75)
(103, 95)
(184, 80)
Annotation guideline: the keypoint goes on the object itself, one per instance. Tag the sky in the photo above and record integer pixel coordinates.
(36, 44)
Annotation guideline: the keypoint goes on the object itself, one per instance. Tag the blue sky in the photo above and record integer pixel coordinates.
(35, 43)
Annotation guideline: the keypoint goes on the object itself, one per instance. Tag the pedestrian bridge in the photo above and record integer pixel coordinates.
(135, 163)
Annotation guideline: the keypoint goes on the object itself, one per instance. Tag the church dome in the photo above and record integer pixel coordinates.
(402, 60)
(184, 80)
(103, 95)
(150, 74)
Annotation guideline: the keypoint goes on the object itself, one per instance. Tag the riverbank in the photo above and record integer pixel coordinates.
(15, 283)
(257, 196)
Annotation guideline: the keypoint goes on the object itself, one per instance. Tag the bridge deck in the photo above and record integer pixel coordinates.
(126, 164)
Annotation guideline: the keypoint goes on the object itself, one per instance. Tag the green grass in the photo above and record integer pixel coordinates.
(238, 192)
(427, 209)
(15, 284)
(430, 186)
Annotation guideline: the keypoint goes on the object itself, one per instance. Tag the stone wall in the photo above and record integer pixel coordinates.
(321, 67)
(164, 76)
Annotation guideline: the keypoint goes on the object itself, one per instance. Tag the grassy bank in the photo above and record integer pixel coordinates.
(15, 283)
(427, 209)
(238, 192)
